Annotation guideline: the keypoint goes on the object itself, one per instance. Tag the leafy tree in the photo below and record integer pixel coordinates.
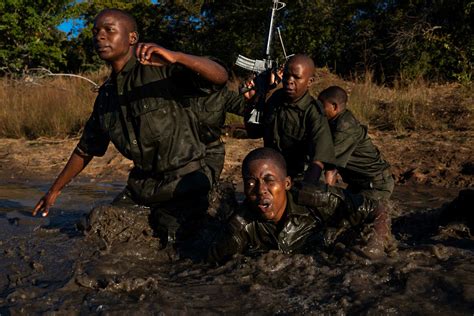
(29, 36)
(393, 38)
(166, 23)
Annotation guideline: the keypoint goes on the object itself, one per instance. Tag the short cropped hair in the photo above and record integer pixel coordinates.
(334, 94)
(304, 60)
(267, 154)
(127, 16)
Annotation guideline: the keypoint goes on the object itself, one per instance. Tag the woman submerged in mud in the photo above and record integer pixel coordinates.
(276, 216)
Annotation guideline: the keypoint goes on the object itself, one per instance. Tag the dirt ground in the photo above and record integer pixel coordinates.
(435, 158)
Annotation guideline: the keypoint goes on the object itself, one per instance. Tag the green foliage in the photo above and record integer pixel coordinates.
(29, 36)
(396, 40)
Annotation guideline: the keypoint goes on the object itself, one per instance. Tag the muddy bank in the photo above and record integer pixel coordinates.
(435, 158)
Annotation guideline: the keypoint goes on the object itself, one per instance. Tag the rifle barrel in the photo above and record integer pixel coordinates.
(277, 5)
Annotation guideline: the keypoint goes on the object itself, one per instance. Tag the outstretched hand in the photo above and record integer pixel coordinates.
(155, 55)
(45, 203)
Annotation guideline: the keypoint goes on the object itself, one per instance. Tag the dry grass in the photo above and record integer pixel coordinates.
(412, 106)
(50, 106)
(59, 106)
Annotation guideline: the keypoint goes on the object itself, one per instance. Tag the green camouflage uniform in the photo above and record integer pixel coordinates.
(359, 162)
(299, 131)
(140, 111)
(310, 209)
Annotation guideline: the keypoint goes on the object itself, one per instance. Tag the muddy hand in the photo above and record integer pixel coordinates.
(155, 55)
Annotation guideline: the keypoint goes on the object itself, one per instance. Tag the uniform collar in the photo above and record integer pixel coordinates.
(302, 103)
(119, 78)
(128, 66)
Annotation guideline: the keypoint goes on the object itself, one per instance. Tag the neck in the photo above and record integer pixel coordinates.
(297, 99)
(280, 216)
(118, 65)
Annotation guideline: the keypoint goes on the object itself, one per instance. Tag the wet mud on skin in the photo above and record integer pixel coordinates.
(117, 266)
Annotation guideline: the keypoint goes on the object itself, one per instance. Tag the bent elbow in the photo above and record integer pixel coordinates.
(221, 77)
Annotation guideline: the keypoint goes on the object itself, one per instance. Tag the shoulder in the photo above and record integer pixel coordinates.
(298, 209)
(276, 97)
(346, 122)
(104, 91)
(317, 106)
(241, 218)
(107, 85)
(310, 105)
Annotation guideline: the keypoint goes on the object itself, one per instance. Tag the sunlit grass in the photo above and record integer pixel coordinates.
(411, 106)
(60, 106)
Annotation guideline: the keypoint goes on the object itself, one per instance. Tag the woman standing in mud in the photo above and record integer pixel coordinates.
(137, 109)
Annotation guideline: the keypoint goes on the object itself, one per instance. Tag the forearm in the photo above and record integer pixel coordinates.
(206, 68)
(73, 167)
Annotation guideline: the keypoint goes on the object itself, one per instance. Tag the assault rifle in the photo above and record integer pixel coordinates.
(262, 68)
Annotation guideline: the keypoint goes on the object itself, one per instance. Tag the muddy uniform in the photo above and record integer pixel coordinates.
(358, 160)
(310, 208)
(139, 111)
(299, 131)
(211, 109)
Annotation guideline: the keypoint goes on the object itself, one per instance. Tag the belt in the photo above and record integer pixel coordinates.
(188, 168)
(214, 143)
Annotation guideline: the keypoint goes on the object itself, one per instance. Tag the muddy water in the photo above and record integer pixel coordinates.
(48, 265)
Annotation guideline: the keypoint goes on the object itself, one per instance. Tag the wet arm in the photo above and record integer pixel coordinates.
(74, 166)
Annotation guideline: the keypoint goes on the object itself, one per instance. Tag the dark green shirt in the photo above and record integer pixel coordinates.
(248, 231)
(211, 109)
(357, 157)
(299, 131)
(140, 111)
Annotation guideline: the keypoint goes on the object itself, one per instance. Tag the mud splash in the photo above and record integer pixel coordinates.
(48, 265)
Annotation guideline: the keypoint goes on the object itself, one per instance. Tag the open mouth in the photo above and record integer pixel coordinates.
(264, 206)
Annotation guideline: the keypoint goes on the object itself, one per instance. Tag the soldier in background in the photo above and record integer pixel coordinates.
(294, 123)
(358, 161)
